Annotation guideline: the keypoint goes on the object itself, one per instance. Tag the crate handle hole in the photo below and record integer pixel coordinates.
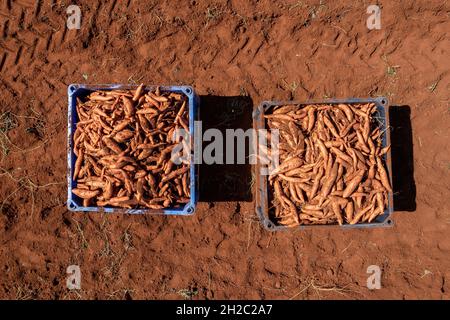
(188, 90)
(72, 89)
(72, 205)
(383, 102)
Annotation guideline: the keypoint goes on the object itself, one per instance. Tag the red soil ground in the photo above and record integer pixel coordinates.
(236, 54)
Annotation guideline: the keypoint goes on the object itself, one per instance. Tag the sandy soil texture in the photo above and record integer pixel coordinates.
(235, 54)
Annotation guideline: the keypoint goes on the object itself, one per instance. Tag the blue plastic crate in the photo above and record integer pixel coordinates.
(262, 196)
(74, 203)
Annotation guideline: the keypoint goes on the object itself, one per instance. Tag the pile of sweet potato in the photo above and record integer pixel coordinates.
(332, 167)
(123, 143)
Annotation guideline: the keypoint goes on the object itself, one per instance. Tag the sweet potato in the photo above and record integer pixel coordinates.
(383, 175)
(331, 168)
(85, 194)
(328, 184)
(122, 149)
(353, 184)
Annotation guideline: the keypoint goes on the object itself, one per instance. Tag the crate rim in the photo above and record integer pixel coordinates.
(73, 87)
(383, 101)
